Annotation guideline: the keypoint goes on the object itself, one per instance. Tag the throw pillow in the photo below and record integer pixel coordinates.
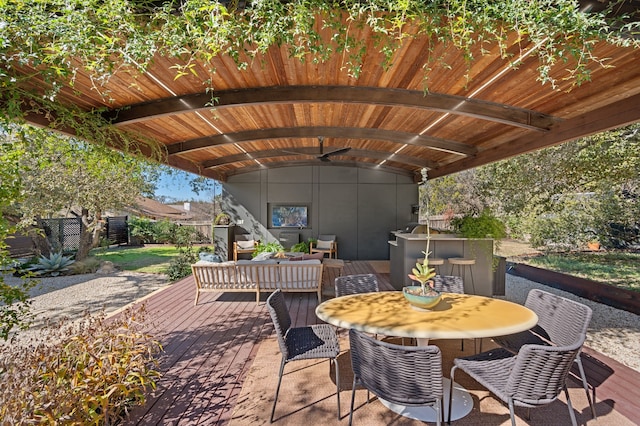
(324, 244)
(318, 256)
(246, 244)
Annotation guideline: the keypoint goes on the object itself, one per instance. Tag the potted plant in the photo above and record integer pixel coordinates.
(222, 219)
(423, 296)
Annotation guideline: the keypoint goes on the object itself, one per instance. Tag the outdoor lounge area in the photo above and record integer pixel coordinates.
(337, 112)
(220, 366)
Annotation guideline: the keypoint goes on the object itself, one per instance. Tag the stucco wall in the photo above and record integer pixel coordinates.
(359, 206)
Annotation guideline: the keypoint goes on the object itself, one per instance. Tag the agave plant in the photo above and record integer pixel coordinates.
(54, 265)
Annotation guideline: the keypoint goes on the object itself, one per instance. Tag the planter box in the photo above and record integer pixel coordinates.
(618, 298)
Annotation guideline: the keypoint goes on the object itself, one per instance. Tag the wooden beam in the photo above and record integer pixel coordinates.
(328, 131)
(612, 116)
(456, 105)
(309, 151)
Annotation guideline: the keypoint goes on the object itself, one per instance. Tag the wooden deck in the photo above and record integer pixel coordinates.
(209, 349)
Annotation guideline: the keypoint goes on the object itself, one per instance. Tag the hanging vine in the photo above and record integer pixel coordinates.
(56, 38)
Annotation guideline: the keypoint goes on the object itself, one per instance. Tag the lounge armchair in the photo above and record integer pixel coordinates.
(325, 244)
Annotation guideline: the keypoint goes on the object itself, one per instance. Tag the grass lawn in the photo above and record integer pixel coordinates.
(153, 259)
(620, 269)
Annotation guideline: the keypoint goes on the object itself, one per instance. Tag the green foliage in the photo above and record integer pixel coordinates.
(15, 307)
(53, 265)
(271, 247)
(485, 225)
(180, 266)
(301, 247)
(14, 300)
(142, 229)
(104, 38)
(87, 373)
(206, 249)
(64, 174)
(162, 231)
(222, 219)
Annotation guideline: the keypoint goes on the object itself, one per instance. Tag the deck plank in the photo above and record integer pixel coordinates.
(209, 349)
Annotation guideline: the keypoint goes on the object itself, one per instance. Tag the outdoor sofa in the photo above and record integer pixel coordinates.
(259, 276)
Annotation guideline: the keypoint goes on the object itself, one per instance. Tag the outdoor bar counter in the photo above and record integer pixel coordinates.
(407, 248)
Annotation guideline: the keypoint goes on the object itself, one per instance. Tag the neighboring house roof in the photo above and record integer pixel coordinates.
(153, 209)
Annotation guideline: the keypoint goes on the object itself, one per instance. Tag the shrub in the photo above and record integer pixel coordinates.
(88, 265)
(141, 229)
(180, 266)
(90, 372)
(485, 225)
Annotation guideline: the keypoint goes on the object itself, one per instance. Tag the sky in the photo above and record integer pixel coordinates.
(175, 185)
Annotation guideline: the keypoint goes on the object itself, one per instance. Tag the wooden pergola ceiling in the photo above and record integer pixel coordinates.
(402, 119)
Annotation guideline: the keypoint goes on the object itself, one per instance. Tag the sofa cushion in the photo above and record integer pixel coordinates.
(325, 245)
(301, 262)
(257, 262)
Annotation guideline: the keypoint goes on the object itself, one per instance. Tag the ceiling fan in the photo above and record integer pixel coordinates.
(322, 156)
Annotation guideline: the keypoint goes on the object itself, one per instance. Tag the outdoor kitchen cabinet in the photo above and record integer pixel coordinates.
(407, 248)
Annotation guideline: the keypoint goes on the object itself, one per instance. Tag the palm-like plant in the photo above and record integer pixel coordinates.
(53, 265)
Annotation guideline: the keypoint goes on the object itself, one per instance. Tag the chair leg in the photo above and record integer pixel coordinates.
(353, 398)
(571, 413)
(453, 369)
(440, 405)
(335, 363)
(275, 400)
(585, 385)
(512, 412)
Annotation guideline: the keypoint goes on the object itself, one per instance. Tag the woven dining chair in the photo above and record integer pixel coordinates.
(314, 341)
(404, 375)
(560, 322)
(355, 284)
(533, 377)
(450, 284)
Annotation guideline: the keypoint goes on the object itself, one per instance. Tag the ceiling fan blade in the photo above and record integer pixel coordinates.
(335, 152)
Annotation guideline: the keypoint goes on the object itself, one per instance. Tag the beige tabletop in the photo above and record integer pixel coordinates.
(457, 316)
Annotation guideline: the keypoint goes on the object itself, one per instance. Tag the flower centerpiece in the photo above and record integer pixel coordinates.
(423, 296)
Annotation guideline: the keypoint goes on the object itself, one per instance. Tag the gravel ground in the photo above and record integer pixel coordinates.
(613, 332)
(72, 296)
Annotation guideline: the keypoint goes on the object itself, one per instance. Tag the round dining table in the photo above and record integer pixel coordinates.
(456, 316)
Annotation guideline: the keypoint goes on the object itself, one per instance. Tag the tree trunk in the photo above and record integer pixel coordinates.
(40, 240)
(89, 235)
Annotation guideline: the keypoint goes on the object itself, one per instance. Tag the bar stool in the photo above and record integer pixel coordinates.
(463, 263)
(433, 261)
